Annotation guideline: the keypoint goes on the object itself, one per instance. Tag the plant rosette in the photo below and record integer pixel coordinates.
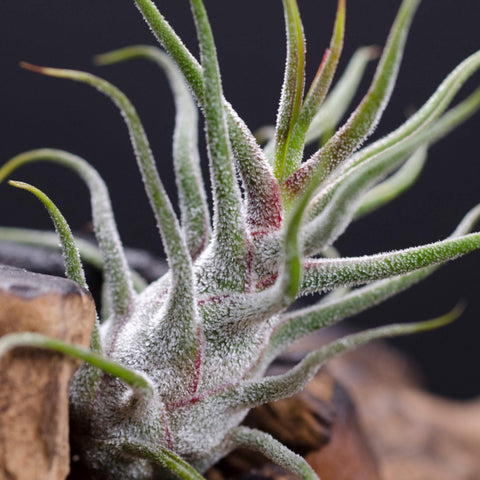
(174, 366)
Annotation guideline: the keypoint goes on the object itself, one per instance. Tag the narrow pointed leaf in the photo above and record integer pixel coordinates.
(73, 264)
(181, 305)
(262, 192)
(340, 199)
(71, 257)
(432, 109)
(117, 272)
(172, 43)
(230, 243)
(316, 94)
(89, 253)
(363, 121)
(261, 188)
(288, 251)
(333, 108)
(297, 324)
(336, 103)
(292, 89)
(163, 456)
(394, 186)
(324, 230)
(276, 452)
(291, 271)
(282, 386)
(337, 205)
(321, 275)
(166, 220)
(192, 196)
(134, 379)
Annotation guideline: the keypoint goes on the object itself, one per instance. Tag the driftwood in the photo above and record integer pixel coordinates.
(414, 435)
(366, 418)
(33, 383)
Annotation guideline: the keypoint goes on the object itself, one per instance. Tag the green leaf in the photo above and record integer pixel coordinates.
(364, 119)
(192, 194)
(292, 89)
(269, 389)
(73, 264)
(182, 311)
(251, 439)
(394, 186)
(297, 324)
(172, 43)
(325, 274)
(336, 103)
(262, 192)
(432, 109)
(163, 456)
(289, 251)
(230, 243)
(89, 252)
(117, 272)
(315, 95)
(338, 199)
(132, 378)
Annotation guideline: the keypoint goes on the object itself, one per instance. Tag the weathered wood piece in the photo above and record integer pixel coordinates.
(34, 384)
(386, 427)
(413, 434)
(320, 423)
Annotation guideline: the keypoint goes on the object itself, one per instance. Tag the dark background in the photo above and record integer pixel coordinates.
(40, 112)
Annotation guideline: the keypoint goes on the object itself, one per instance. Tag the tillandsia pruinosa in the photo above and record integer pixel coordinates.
(175, 366)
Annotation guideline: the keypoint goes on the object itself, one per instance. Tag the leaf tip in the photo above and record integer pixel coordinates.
(101, 59)
(32, 67)
(448, 318)
(17, 184)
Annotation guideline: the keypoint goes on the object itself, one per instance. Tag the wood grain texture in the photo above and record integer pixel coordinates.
(34, 384)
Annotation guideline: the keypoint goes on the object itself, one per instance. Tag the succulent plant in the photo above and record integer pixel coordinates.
(175, 366)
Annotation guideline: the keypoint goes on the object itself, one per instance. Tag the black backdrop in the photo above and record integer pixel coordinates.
(38, 112)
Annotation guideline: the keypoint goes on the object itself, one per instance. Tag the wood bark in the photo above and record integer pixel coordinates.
(34, 383)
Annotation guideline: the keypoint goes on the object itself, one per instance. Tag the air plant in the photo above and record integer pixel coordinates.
(175, 366)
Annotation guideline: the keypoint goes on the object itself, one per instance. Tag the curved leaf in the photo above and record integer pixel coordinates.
(336, 103)
(272, 449)
(73, 264)
(117, 272)
(394, 186)
(182, 312)
(325, 274)
(269, 389)
(315, 95)
(132, 378)
(89, 253)
(264, 206)
(343, 194)
(297, 324)
(230, 242)
(292, 89)
(364, 119)
(192, 194)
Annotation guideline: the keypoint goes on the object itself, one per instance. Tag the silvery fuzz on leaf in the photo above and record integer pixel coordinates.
(175, 366)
